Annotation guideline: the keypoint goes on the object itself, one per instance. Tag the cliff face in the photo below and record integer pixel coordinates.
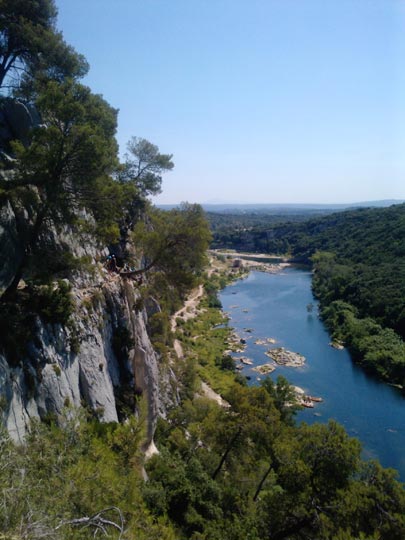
(102, 361)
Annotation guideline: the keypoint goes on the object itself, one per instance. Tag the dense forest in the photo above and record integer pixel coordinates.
(359, 276)
(235, 471)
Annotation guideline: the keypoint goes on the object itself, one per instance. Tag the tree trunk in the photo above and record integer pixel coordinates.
(29, 245)
(262, 481)
(225, 455)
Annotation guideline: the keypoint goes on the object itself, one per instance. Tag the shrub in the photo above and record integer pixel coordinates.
(53, 305)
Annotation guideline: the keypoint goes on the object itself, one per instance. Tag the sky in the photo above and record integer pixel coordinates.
(259, 101)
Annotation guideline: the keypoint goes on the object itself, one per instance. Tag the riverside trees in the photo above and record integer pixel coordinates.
(268, 480)
(358, 258)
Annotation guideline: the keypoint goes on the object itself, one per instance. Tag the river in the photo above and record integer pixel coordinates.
(275, 305)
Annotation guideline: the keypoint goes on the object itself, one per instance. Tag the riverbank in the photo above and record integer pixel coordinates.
(253, 261)
(368, 408)
(275, 305)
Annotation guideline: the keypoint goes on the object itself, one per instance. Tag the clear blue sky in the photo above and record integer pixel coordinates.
(271, 101)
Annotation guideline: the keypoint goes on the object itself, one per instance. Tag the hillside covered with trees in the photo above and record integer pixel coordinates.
(359, 262)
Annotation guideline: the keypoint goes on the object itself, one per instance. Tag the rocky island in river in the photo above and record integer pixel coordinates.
(283, 357)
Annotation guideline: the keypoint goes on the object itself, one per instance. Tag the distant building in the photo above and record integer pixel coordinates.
(237, 263)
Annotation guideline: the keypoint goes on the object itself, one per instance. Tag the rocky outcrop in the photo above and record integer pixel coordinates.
(10, 248)
(102, 361)
(16, 121)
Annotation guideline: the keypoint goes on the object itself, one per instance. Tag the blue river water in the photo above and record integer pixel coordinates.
(275, 305)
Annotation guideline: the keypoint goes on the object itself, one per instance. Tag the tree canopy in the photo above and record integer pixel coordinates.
(58, 172)
(175, 242)
(30, 46)
(144, 165)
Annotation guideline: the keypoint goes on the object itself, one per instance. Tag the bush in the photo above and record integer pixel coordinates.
(159, 327)
(226, 363)
(53, 304)
(121, 342)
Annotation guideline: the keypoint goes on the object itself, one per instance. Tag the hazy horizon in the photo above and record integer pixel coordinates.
(217, 202)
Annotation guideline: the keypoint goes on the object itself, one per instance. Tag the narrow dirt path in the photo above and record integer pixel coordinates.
(189, 310)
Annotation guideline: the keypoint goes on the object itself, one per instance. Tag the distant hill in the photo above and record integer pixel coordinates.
(287, 208)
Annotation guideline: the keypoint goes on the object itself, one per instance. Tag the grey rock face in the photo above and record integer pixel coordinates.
(105, 350)
(53, 375)
(10, 250)
(16, 121)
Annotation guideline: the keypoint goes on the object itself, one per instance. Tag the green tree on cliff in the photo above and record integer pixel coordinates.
(144, 165)
(59, 172)
(30, 45)
(175, 242)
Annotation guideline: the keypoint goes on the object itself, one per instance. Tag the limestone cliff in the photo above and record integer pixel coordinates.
(102, 361)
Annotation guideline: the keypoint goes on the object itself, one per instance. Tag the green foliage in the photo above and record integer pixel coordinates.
(53, 303)
(225, 362)
(159, 328)
(243, 474)
(379, 349)
(211, 290)
(46, 264)
(30, 45)
(175, 243)
(110, 201)
(61, 166)
(284, 397)
(144, 166)
(91, 467)
(190, 497)
(204, 342)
